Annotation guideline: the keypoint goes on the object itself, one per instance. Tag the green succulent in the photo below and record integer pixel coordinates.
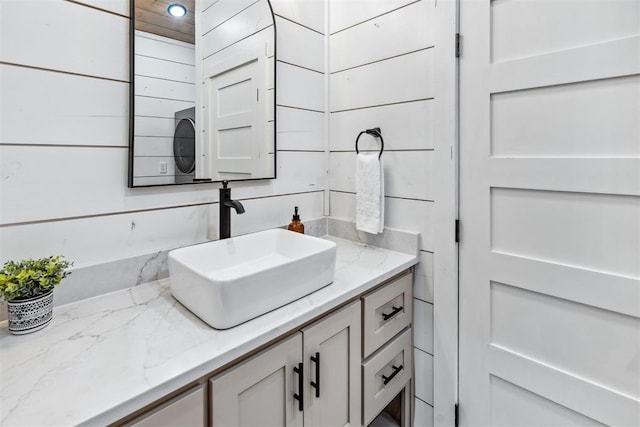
(32, 277)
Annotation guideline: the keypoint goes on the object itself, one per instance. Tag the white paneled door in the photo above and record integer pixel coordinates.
(550, 212)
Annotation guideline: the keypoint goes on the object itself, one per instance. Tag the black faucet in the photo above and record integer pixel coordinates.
(225, 210)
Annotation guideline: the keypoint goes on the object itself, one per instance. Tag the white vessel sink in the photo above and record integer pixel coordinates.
(230, 281)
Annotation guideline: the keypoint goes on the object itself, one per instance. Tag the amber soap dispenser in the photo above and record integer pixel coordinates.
(295, 224)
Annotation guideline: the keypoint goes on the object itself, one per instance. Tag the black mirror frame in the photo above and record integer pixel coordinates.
(132, 29)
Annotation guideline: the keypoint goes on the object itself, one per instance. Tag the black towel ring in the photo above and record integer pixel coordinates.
(374, 132)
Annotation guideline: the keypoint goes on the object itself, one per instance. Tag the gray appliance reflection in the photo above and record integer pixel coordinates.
(184, 145)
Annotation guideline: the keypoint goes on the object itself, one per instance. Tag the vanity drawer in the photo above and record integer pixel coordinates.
(187, 410)
(393, 365)
(386, 312)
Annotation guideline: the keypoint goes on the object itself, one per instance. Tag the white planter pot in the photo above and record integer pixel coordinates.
(30, 315)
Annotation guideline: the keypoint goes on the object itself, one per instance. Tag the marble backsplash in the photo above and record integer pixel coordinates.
(99, 279)
(395, 240)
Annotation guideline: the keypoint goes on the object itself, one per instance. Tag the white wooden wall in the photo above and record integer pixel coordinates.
(64, 80)
(381, 75)
(165, 83)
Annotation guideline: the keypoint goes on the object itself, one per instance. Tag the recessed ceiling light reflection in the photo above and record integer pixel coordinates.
(177, 10)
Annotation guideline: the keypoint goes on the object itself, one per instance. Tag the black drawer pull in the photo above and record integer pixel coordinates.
(316, 384)
(395, 311)
(299, 397)
(396, 369)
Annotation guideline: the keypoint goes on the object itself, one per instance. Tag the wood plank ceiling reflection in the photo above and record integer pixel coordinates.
(152, 16)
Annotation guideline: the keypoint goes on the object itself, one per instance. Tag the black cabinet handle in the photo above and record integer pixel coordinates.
(395, 311)
(299, 397)
(316, 384)
(396, 370)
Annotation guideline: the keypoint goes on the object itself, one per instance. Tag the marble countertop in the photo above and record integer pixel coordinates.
(103, 358)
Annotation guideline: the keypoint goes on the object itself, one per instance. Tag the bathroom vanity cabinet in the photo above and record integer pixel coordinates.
(342, 369)
(310, 379)
(157, 364)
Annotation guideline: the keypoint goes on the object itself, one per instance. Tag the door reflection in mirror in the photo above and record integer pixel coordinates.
(203, 102)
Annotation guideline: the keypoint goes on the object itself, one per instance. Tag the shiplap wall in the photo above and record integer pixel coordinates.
(381, 75)
(165, 83)
(64, 78)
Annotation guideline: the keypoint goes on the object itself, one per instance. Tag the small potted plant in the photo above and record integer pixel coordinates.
(27, 287)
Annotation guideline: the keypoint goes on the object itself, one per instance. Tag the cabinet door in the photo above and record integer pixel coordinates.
(185, 410)
(259, 392)
(332, 369)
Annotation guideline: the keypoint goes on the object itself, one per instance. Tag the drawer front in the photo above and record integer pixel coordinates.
(386, 312)
(185, 410)
(393, 365)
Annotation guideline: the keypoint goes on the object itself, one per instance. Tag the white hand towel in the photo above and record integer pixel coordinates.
(369, 193)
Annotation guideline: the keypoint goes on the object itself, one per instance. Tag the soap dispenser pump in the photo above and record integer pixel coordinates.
(295, 224)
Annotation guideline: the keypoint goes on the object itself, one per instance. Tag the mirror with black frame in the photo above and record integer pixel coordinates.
(202, 92)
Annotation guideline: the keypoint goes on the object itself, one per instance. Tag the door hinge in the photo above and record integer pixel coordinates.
(455, 415)
(457, 231)
(458, 45)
